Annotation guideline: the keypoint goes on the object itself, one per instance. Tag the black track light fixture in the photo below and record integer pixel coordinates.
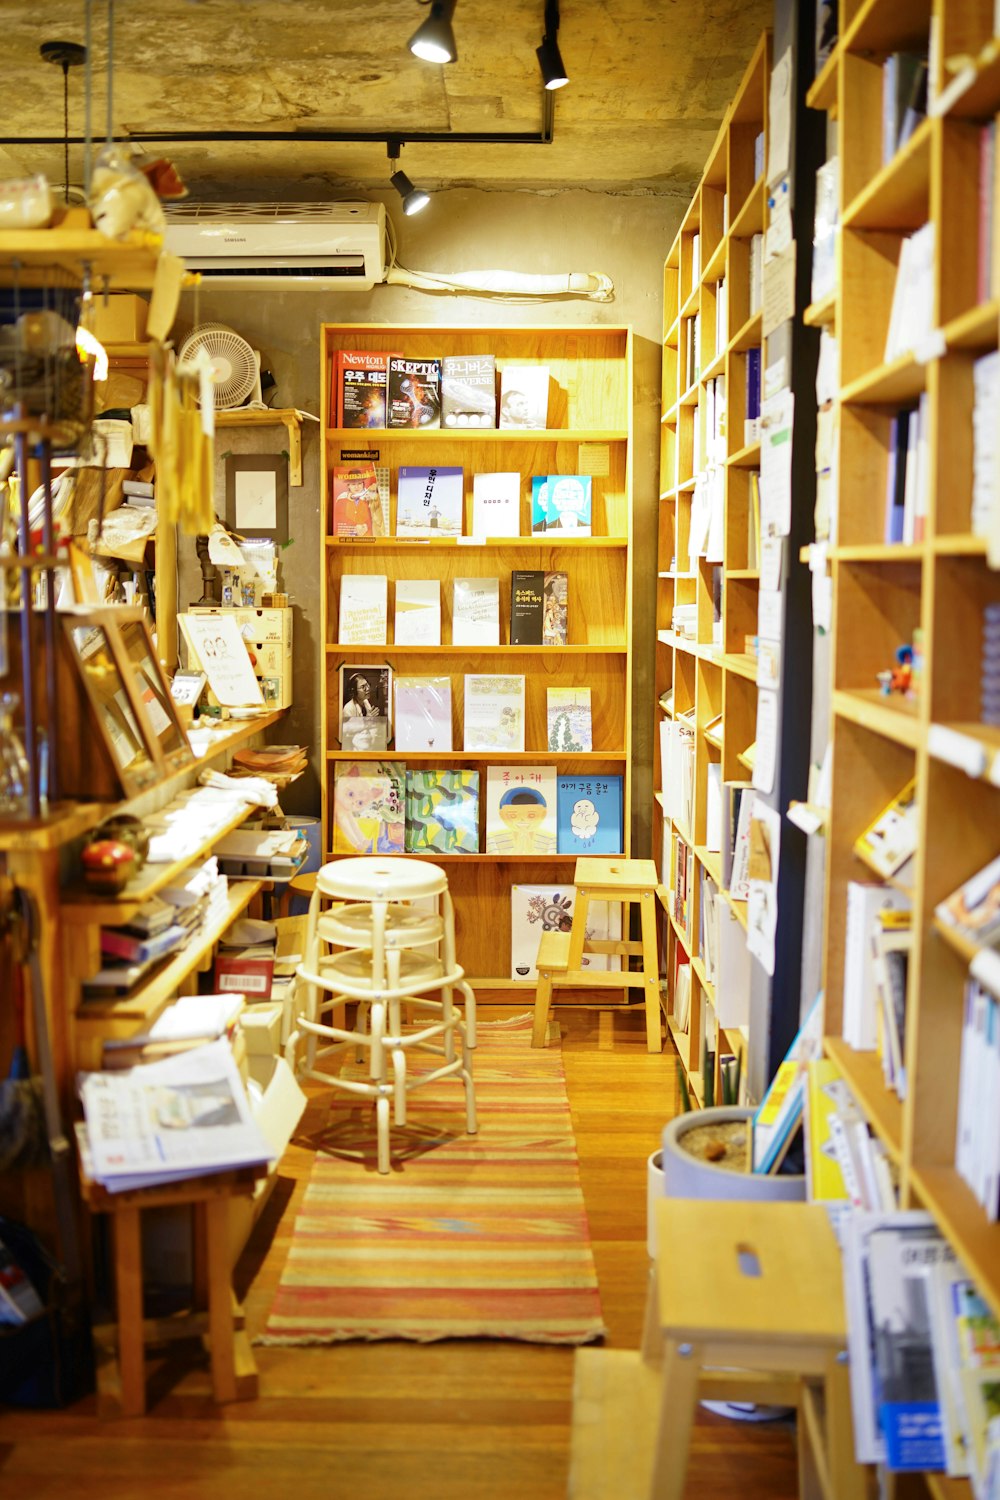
(434, 41)
(554, 74)
(414, 198)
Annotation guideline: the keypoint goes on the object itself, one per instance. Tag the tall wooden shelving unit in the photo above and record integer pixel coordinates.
(711, 679)
(590, 408)
(882, 592)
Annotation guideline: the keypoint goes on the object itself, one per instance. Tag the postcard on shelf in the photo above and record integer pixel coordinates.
(418, 612)
(359, 388)
(414, 392)
(521, 810)
(494, 712)
(567, 713)
(496, 504)
(217, 648)
(442, 812)
(468, 390)
(429, 502)
(364, 609)
(423, 713)
(889, 844)
(357, 500)
(475, 614)
(365, 707)
(524, 396)
(974, 909)
(589, 813)
(369, 807)
(535, 909)
(568, 502)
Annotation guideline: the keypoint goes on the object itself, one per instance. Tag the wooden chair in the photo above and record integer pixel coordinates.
(745, 1303)
(560, 954)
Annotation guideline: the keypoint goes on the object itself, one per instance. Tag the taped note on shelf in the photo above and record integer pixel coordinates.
(772, 549)
(762, 902)
(777, 413)
(769, 614)
(957, 749)
(779, 290)
(768, 664)
(767, 740)
(779, 117)
(934, 346)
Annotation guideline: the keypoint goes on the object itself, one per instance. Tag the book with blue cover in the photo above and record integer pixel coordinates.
(442, 812)
(562, 502)
(589, 814)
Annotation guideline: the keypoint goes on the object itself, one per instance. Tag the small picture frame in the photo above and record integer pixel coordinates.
(257, 495)
(185, 688)
(365, 707)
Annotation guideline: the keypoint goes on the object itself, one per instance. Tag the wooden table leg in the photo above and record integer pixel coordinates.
(848, 1480)
(679, 1396)
(221, 1334)
(128, 1298)
(651, 972)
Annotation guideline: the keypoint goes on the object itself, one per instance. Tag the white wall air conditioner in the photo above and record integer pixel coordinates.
(339, 246)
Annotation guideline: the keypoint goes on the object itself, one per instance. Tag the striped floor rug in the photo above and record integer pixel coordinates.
(479, 1236)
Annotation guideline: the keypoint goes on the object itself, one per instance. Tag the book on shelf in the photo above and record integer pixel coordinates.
(475, 613)
(756, 273)
(496, 504)
(524, 396)
(911, 317)
(423, 713)
(681, 989)
(988, 199)
(429, 502)
(973, 911)
(364, 609)
(892, 941)
(369, 807)
(713, 807)
(365, 693)
(468, 391)
(751, 422)
(981, 1393)
(414, 392)
(721, 315)
(568, 719)
(779, 1114)
(732, 982)
(494, 712)
(989, 677)
(826, 31)
(826, 218)
(538, 608)
(738, 800)
(539, 504)
(753, 521)
(985, 476)
(866, 904)
(965, 1346)
(117, 943)
(589, 814)
(359, 388)
(358, 508)
(904, 99)
(442, 812)
(569, 504)
(521, 810)
(417, 612)
(889, 843)
(695, 258)
(535, 909)
(977, 1140)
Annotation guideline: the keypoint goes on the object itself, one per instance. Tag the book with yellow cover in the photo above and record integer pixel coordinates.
(888, 844)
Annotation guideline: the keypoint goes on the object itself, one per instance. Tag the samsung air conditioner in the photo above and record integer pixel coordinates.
(338, 246)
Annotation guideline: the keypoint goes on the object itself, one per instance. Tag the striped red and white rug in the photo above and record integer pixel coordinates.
(480, 1236)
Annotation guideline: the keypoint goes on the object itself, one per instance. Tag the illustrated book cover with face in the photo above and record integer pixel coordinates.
(365, 707)
(494, 712)
(357, 500)
(563, 502)
(521, 810)
(524, 396)
(589, 812)
(535, 909)
(369, 807)
(442, 812)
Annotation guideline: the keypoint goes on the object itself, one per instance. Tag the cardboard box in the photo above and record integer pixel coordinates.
(261, 1028)
(270, 626)
(120, 318)
(250, 977)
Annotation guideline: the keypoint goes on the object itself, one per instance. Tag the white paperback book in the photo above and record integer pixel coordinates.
(418, 612)
(475, 614)
(496, 504)
(364, 609)
(494, 712)
(535, 909)
(423, 713)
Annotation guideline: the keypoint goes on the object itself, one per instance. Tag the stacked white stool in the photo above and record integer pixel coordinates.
(390, 958)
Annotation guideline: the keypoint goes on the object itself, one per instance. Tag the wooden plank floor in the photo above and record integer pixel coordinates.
(447, 1421)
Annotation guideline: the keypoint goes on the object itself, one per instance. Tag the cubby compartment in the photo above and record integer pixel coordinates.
(739, 617)
(739, 719)
(963, 588)
(878, 610)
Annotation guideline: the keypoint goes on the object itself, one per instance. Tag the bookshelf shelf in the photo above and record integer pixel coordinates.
(745, 458)
(750, 218)
(749, 335)
(590, 405)
(892, 384)
(822, 314)
(881, 26)
(976, 329)
(940, 1190)
(823, 89)
(863, 1074)
(898, 198)
(894, 720)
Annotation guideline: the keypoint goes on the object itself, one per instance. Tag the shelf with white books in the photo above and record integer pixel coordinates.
(863, 1074)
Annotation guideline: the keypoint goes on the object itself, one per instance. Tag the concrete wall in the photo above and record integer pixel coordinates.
(464, 230)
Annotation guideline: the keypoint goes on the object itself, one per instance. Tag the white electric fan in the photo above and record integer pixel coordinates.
(235, 366)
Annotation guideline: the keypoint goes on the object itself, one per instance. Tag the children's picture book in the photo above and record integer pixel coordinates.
(524, 396)
(414, 392)
(369, 807)
(365, 707)
(520, 810)
(418, 612)
(589, 814)
(364, 609)
(496, 504)
(442, 812)
(554, 609)
(429, 502)
(568, 504)
(359, 388)
(494, 712)
(423, 713)
(357, 500)
(567, 714)
(888, 845)
(974, 909)
(527, 606)
(475, 612)
(468, 390)
(539, 503)
(535, 909)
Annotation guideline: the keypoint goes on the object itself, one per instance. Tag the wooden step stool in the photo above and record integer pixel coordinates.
(560, 954)
(745, 1303)
(216, 1316)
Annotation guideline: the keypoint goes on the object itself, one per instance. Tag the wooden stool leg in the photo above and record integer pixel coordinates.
(848, 1480)
(677, 1405)
(810, 1478)
(578, 932)
(221, 1334)
(128, 1298)
(651, 972)
(543, 1002)
(652, 1334)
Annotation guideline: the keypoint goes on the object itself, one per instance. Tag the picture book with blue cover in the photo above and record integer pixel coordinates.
(442, 812)
(589, 812)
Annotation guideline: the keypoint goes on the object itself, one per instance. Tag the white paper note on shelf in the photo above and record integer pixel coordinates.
(779, 117)
(768, 664)
(772, 550)
(777, 413)
(779, 289)
(767, 740)
(769, 614)
(762, 902)
(778, 235)
(822, 586)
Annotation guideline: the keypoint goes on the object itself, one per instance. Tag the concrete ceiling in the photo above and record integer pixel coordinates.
(649, 83)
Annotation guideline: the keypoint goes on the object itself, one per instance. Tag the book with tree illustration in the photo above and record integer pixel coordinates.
(442, 812)
(569, 719)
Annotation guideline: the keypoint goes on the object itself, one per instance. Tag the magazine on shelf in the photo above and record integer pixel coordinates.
(468, 390)
(364, 609)
(524, 396)
(414, 392)
(358, 508)
(494, 712)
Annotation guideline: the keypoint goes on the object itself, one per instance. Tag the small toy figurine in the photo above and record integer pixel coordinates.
(900, 679)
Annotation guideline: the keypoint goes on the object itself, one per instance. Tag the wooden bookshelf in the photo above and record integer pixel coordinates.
(589, 431)
(712, 672)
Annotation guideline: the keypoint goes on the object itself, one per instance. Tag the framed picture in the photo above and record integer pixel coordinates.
(365, 707)
(257, 495)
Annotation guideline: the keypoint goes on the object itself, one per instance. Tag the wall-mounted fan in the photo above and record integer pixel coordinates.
(235, 366)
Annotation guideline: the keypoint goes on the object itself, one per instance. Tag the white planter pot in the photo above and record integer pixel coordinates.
(686, 1177)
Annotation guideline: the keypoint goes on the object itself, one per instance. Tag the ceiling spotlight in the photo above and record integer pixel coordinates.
(554, 74)
(434, 40)
(414, 198)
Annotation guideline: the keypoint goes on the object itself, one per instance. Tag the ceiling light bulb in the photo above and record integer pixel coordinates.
(434, 41)
(414, 199)
(550, 61)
